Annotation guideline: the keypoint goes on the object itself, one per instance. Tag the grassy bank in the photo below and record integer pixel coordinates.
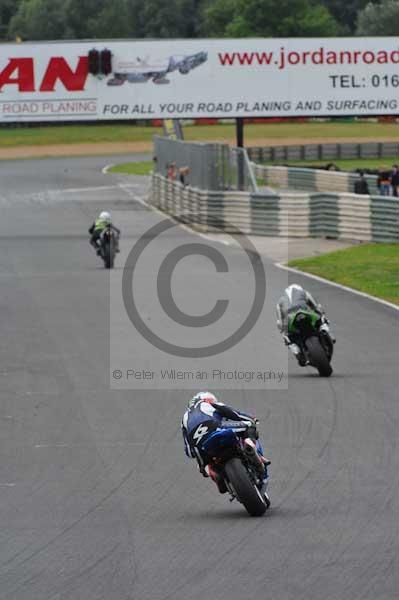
(370, 268)
(284, 132)
(134, 168)
(75, 134)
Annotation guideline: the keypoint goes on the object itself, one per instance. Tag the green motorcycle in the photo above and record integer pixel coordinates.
(309, 331)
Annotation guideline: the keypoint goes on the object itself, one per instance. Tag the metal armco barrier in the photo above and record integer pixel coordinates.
(327, 152)
(339, 216)
(297, 178)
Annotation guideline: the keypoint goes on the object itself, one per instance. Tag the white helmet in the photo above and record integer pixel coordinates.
(202, 397)
(295, 290)
(105, 216)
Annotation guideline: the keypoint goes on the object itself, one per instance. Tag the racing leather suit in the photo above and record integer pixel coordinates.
(203, 419)
(96, 230)
(293, 299)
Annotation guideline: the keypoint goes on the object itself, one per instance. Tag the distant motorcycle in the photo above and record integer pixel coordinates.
(235, 458)
(309, 330)
(108, 245)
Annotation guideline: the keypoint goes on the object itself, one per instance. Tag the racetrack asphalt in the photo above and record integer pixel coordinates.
(97, 500)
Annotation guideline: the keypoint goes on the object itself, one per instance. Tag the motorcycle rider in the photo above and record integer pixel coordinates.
(204, 415)
(102, 222)
(293, 299)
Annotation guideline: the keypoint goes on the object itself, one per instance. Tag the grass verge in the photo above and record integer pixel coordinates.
(134, 168)
(370, 268)
(75, 134)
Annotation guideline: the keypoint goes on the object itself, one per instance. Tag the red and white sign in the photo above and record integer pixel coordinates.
(201, 78)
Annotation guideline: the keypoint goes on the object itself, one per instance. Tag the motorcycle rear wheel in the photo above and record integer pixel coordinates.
(109, 253)
(246, 491)
(318, 356)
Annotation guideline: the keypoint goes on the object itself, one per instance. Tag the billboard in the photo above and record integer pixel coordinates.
(201, 78)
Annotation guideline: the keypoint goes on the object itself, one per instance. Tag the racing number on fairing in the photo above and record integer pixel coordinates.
(199, 433)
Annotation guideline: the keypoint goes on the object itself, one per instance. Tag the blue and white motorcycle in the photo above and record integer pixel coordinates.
(240, 467)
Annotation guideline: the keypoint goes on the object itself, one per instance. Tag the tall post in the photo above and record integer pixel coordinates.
(240, 157)
(240, 132)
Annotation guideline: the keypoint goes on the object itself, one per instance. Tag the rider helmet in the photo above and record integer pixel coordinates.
(202, 397)
(105, 216)
(295, 293)
(294, 287)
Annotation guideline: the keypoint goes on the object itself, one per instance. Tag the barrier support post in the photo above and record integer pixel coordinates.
(240, 132)
(240, 144)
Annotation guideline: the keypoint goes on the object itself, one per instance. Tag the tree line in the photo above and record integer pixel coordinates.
(82, 19)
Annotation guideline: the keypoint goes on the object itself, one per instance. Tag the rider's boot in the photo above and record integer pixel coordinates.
(96, 247)
(218, 479)
(301, 360)
(297, 352)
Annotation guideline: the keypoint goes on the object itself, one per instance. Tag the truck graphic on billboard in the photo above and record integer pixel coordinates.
(156, 70)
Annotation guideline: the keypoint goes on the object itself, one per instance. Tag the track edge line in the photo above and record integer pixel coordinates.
(337, 285)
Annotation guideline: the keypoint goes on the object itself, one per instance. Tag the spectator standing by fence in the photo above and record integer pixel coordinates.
(384, 182)
(171, 173)
(183, 175)
(395, 180)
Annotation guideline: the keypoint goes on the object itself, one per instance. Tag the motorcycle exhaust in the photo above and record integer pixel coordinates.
(327, 331)
(250, 447)
(251, 452)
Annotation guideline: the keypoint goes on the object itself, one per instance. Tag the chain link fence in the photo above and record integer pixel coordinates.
(214, 167)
